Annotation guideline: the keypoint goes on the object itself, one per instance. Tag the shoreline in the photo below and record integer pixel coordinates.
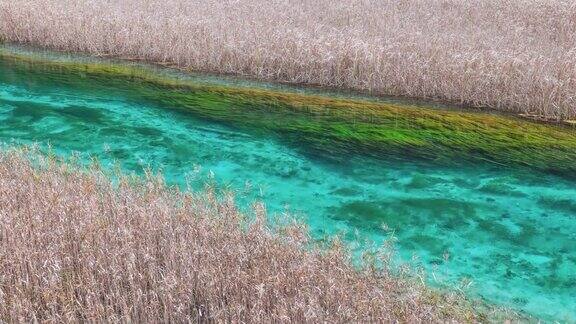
(382, 48)
(247, 81)
(380, 294)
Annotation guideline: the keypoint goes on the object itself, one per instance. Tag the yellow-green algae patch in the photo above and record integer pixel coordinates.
(328, 125)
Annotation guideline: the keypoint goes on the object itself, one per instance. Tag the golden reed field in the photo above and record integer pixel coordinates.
(512, 55)
(76, 247)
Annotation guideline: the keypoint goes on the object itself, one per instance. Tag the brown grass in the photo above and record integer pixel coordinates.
(75, 247)
(513, 55)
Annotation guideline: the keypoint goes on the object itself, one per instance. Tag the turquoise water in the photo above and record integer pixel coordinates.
(506, 235)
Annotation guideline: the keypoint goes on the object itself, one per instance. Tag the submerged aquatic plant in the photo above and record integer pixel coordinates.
(76, 247)
(324, 125)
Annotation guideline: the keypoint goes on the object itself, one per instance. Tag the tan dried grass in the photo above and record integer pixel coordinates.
(76, 247)
(512, 55)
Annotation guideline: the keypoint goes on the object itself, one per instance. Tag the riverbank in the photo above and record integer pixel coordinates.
(77, 247)
(511, 56)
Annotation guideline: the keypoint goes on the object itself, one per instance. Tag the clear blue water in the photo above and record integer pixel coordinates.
(508, 236)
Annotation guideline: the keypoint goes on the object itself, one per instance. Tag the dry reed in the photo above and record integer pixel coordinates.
(513, 55)
(74, 246)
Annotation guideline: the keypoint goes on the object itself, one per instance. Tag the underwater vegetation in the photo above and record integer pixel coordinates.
(140, 250)
(327, 125)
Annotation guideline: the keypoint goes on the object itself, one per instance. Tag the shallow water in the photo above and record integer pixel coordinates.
(511, 232)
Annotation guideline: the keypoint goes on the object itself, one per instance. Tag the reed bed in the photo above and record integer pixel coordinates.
(76, 246)
(512, 55)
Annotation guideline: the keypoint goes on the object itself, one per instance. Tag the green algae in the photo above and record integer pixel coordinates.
(326, 126)
(562, 204)
(421, 181)
(500, 187)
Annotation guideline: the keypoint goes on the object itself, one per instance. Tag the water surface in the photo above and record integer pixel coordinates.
(507, 233)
